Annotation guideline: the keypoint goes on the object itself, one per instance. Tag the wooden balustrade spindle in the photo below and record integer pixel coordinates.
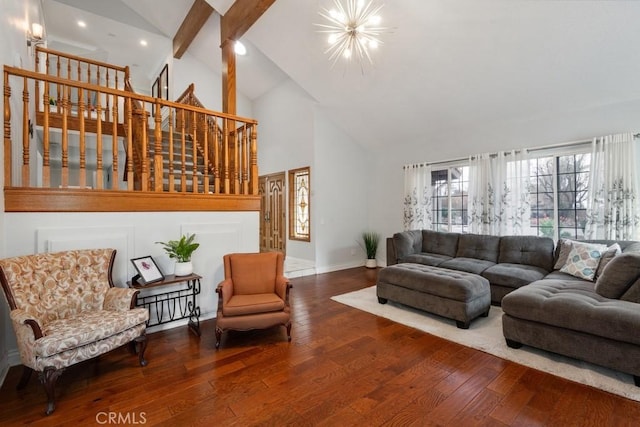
(83, 144)
(194, 136)
(145, 151)
(115, 175)
(65, 137)
(236, 160)
(59, 88)
(26, 181)
(46, 157)
(171, 171)
(130, 176)
(8, 182)
(205, 143)
(99, 184)
(216, 156)
(245, 160)
(254, 160)
(183, 160)
(157, 150)
(225, 156)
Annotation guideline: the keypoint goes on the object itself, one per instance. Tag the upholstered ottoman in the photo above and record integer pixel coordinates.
(453, 294)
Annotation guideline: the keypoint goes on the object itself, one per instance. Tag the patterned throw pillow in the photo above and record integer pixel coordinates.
(583, 260)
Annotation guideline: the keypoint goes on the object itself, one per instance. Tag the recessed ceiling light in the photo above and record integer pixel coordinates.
(239, 48)
(143, 42)
(82, 24)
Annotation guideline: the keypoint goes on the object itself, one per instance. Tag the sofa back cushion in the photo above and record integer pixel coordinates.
(407, 243)
(440, 242)
(479, 246)
(58, 285)
(619, 277)
(527, 250)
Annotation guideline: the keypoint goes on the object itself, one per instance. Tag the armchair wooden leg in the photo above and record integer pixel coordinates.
(218, 337)
(288, 325)
(24, 379)
(141, 342)
(48, 378)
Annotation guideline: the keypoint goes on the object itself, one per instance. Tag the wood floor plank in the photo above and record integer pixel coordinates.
(344, 367)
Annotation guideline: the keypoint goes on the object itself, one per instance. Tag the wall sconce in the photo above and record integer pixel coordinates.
(34, 36)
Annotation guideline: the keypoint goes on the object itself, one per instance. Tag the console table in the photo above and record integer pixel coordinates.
(175, 304)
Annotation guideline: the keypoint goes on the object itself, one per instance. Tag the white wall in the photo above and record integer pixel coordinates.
(340, 187)
(15, 17)
(208, 84)
(292, 133)
(285, 117)
(134, 235)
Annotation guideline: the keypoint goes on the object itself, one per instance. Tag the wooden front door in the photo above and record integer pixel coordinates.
(272, 212)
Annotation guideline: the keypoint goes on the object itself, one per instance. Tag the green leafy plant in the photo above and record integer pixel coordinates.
(181, 249)
(371, 240)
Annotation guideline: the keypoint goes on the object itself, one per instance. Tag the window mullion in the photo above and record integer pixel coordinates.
(556, 218)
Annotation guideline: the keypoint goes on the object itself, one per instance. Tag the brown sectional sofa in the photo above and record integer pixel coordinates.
(596, 321)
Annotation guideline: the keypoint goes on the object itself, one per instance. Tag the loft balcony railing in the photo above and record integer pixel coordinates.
(73, 142)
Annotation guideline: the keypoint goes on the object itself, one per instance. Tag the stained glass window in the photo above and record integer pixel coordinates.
(299, 212)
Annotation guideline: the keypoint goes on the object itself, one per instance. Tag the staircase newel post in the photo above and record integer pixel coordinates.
(157, 149)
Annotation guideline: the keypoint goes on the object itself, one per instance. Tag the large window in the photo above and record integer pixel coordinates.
(450, 187)
(559, 195)
(299, 218)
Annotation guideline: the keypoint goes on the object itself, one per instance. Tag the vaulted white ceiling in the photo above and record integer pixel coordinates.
(447, 64)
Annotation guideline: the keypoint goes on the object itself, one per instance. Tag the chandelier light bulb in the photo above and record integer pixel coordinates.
(332, 38)
(347, 53)
(375, 20)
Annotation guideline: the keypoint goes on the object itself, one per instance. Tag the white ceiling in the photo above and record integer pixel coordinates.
(447, 63)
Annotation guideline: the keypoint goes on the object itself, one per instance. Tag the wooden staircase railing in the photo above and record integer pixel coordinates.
(83, 139)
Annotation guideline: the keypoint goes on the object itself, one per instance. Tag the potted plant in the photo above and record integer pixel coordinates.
(371, 240)
(181, 250)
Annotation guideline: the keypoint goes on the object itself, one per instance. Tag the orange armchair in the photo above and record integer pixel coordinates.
(254, 293)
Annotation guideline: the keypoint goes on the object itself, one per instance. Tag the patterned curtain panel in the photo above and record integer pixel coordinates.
(499, 194)
(612, 212)
(417, 197)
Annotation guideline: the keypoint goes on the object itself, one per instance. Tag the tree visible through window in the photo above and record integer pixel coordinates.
(450, 187)
(299, 200)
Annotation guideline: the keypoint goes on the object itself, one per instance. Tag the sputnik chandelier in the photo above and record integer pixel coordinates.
(353, 29)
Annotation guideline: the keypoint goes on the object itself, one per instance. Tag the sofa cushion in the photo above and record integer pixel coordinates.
(513, 275)
(440, 242)
(564, 247)
(633, 293)
(85, 328)
(479, 246)
(562, 253)
(241, 305)
(583, 260)
(426, 259)
(470, 265)
(528, 250)
(611, 252)
(619, 275)
(558, 275)
(574, 305)
(407, 243)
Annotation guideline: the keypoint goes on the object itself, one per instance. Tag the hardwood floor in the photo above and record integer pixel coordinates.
(344, 367)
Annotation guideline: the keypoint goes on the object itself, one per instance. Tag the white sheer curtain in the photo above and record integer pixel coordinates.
(417, 197)
(612, 211)
(499, 194)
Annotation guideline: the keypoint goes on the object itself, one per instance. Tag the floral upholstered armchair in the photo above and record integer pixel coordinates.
(65, 309)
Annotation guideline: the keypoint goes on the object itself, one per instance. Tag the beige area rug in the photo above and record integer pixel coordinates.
(486, 334)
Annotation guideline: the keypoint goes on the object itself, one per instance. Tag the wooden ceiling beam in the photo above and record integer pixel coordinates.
(193, 22)
(240, 17)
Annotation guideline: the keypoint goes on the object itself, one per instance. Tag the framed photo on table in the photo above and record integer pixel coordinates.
(148, 271)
